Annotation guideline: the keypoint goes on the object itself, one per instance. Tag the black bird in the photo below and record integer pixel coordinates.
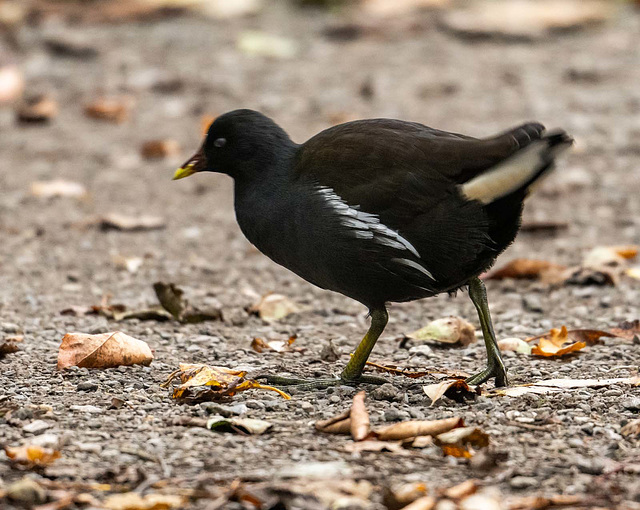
(380, 210)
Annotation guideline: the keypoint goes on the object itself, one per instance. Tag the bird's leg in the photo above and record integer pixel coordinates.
(352, 373)
(495, 367)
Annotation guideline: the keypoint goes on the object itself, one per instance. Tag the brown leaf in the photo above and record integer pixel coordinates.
(553, 343)
(9, 345)
(450, 330)
(273, 307)
(172, 300)
(399, 497)
(102, 351)
(114, 109)
(627, 329)
(58, 188)
(118, 221)
(529, 269)
(631, 429)
(38, 109)
(260, 345)
(31, 455)
(414, 428)
(460, 442)
(360, 425)
(158, 149)
(455, 389)
(340, 424)
(462, 490)
(202, 383)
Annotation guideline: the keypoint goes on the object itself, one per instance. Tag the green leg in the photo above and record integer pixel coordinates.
(495, 367)
(352, 373)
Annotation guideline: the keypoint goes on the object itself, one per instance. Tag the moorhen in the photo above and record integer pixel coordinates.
(380, 210)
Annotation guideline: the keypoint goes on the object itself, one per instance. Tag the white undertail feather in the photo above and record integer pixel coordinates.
(513, 173)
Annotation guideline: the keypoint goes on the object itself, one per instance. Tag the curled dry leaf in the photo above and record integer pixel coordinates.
(243, 426)
(460, 442)
(105, 350)
(360, 425)
(410, 429)
(455, 389)
(399, 497)
(172, 300)
(340, 424)
(58, 188)
(158, 149)
(631, 429)
(609, 256)
(260, 345)
(37, 109)
(114, 109)
(118, 221)
(273, 307)
(462, 490)
(450, 330)
(134, 501)
(201, 383)
(31, 455)
(529, 269)
(555, 342)
(514, 344)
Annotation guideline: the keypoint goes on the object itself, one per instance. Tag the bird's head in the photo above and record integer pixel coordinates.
(238, 143)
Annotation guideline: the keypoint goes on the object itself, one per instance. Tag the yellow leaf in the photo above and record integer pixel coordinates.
(32, 455)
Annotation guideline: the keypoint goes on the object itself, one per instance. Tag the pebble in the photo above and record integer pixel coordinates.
(421, 350)
(532, 303)
(37, 426)
(87, 409)
(590, 466)
(632, 404)
(387, 392)
(87, 386)
(9, 327)
(522, 482)
(394, 414)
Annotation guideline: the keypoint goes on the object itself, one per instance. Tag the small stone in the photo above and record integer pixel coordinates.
(632, 404)
(335, 399)
(522, 482)
(87, 409)
(10, 327)
(27, 492)
(421, 350)
(394, 414)
(330, 352)
(590, 466)
(387, 392)
(36, 427)
(532, 303)
(87, 386)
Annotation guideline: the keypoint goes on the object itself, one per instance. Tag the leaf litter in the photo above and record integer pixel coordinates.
(450, 330)
(105, 350)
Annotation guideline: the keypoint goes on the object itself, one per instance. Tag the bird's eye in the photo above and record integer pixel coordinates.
(220, 142)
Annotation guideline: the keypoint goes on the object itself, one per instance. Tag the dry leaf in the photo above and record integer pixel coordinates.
(555, 385)
(114, 109)
(260, 345)
(117, 221)
(105, 350)
(11, 83)
(460, 442)
(551, 345)
(399, 497)
(172, 300)
(462, 490)
(273, 307)
(525, 19)
(58, 188)
(528, 269)
(410, 429)
(37, 109)
(134, 501)
(514, 344)
(423, 503)
(631, 429)
(542, 503)
(158, 149)
(392, 369)
(31, 455)
(612, 256)
(340, 424)
(244, 426)
(204, 383)
(360, 425)
(627, 329)
(257, 43)
(450, 330)
(9, 345)
(455, 389)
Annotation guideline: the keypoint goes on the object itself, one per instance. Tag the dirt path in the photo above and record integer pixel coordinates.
(176, 71)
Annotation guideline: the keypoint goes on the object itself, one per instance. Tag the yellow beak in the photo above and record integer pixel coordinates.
(183, 172)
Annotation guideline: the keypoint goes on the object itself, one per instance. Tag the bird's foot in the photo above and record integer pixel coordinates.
(496, 370)
(319, 384)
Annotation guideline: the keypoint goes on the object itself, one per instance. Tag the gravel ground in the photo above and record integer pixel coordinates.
(177, 70)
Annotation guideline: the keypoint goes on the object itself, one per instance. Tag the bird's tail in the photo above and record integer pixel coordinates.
(519, 171)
